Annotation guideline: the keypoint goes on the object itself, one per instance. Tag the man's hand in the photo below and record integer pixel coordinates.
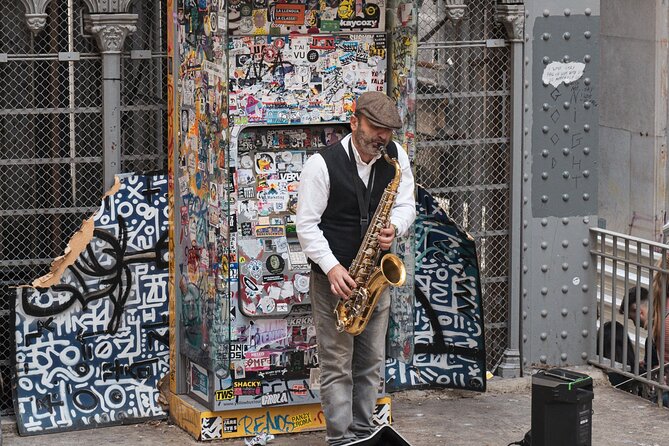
(386, 237)
(341, 283)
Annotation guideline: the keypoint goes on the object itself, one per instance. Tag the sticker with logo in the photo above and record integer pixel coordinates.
(229, 425)
(275, 264)
(274, 399)
(225, 394)
(242, 388)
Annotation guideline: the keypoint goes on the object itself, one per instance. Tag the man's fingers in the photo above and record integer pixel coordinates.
(341, 283)
(350, 282)
(346, 291)
(338, 289)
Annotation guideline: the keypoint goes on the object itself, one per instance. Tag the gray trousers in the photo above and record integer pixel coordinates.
(350, 365)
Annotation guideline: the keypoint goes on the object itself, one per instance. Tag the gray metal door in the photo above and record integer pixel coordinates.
(51, 153)
(463, 138)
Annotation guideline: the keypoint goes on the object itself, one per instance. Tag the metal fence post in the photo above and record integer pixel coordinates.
(513, 18)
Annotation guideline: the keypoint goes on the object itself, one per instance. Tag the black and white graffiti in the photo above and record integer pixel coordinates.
(449, 348)
(91, 349)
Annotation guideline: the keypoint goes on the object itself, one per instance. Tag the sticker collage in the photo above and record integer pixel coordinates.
(262, 85)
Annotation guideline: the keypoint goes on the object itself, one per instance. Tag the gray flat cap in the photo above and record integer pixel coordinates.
(379, 109)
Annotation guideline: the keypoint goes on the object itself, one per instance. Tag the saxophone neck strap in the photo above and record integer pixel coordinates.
(364, 195)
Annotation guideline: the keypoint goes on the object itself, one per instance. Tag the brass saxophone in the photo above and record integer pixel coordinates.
(354, 313)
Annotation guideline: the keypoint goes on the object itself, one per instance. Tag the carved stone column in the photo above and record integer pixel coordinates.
(108, 6)
(110, 31)
(455, 9)
(35, 14)
(512, 15)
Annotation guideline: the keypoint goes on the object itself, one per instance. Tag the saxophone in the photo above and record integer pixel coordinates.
(354, 313)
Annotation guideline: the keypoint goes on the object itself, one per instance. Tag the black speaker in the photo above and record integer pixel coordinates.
(561, 408)
(384, 436)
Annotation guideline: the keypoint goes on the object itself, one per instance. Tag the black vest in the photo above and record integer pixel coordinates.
(340, 221)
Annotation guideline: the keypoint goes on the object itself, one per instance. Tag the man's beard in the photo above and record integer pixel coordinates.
(370, 145)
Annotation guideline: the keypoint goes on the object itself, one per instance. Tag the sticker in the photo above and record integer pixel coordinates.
(225, 394)
(291, 14)
(247, 229)
(267, 305)
(330, 26)
(312, 56)
(576, 280)
(301, 283)
(301, 390)
(282, 307)
(247, 388)
(251, 247)
(257, 361)
(315, 378)
(246, 161)
(247, 192)
(322, 43)
(273, 399)
(229, 425)
(240, 372)
(199, 381)
(270, 231)
(300, 321)
(246, 176)
(556, 73)
(265, 163)
(281, 245)
(287, 290)
(275, 264)
(238, 351)
(272, 278)
(254, 267)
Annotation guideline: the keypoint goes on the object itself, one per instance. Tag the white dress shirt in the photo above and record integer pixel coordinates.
(314, 192)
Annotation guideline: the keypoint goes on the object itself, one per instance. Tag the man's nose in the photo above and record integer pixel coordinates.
(385, 133)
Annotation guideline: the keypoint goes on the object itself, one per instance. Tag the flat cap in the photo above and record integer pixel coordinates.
(379, 109)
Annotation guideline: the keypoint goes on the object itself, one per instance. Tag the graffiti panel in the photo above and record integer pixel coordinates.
(260, 423)
(449, 348)
(91, 336)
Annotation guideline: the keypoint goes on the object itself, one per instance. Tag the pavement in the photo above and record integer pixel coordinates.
(435, 417)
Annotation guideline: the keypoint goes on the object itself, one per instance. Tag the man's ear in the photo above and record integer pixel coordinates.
(354, 122)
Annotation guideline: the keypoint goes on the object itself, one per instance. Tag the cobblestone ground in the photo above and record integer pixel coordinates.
(424, 418)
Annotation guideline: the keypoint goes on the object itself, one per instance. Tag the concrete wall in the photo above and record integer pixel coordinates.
(633, 116)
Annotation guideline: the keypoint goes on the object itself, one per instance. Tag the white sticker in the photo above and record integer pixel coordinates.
(576, 280)
(558, 72)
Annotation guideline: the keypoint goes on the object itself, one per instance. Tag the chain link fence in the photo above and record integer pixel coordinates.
(51, 164)
(144, 91)
(463, 140)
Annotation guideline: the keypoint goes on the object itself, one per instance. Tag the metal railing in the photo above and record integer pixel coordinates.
(632, 281)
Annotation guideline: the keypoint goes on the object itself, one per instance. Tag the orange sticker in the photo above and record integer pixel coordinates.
(289, 14)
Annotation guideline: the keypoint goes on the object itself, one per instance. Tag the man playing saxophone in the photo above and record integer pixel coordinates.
(340, 190)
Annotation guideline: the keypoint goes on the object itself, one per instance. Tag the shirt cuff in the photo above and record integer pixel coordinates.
(328, 262)
(399, 230)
